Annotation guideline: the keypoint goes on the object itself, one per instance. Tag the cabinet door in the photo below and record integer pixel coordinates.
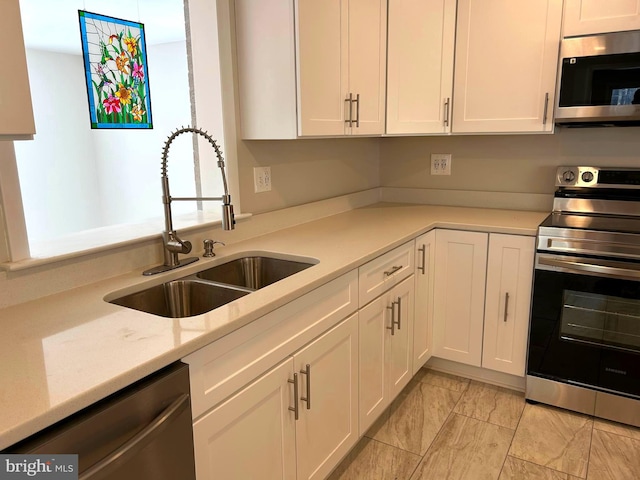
(385, 349)
(584, 17)
(323, 72)
(505, 63)
(367, 64)
(458, 307)
(328, 400)
(421, 43)
(252, 434)
(508, 298)
(423, 312)
(400, 351)
(16, 114)
(374, 320)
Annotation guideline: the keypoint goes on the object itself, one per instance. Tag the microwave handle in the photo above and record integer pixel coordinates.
(546, 108)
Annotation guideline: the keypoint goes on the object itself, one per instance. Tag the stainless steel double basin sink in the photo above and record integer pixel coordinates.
(204, 291)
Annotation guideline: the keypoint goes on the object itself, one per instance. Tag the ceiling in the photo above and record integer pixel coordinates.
(53, 24)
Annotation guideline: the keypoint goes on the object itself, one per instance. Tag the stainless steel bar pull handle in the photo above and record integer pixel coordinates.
(423, 250)
(393, 270)
(307, 372)
(392, 307)
(447, 104)
(590, 267)
(357, 110)
(506, 305)
(399, 302)
(546, 108)
(294, 409)
(350, 101)
(134, 445)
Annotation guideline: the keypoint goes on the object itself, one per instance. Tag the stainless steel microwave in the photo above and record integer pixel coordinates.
(599, 80)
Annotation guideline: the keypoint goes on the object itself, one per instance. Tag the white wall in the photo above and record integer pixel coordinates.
(304, 171)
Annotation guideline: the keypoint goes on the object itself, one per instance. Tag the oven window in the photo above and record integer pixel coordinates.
(601, 319)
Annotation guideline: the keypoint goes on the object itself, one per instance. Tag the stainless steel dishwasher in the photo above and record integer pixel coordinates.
(141, 432)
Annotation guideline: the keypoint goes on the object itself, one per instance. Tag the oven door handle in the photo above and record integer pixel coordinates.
(590, 267)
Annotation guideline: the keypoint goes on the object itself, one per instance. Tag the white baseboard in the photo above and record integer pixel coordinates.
(476, 373)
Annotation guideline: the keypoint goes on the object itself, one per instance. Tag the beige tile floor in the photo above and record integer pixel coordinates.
(447, 427)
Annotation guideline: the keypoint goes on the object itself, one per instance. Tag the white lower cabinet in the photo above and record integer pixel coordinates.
(482, 298)
(255, 432)
(423, 318)
(458, 309)
(508, 298)
(327, 426)
(287, 396)
(385, 346)
(252, 434)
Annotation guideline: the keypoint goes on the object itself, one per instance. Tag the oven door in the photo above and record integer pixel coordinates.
(585, 323)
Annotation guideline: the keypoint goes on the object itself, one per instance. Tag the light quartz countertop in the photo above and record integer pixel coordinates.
(63, 352)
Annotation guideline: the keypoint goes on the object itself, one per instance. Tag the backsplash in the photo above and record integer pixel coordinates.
(505, 163)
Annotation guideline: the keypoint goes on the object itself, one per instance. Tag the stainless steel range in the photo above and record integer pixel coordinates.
(584, 338)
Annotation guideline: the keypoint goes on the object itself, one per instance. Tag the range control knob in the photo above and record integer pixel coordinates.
(568, 176)
(587, 177)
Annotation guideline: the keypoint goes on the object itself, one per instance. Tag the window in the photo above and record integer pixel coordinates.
(83, 188)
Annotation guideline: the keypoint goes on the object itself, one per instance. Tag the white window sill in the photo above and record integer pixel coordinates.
(111, 238)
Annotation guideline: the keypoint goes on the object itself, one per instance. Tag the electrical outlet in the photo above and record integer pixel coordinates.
(440, 164)
(262, 179)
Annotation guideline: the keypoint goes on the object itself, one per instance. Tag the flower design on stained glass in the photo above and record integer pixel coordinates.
(115, 64)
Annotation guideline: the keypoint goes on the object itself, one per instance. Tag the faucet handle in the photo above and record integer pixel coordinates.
(208, 247)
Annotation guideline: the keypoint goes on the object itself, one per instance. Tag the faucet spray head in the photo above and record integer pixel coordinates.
(228, 219)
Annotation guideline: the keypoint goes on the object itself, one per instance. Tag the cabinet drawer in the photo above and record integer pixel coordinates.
(224, 366)
(385, 272)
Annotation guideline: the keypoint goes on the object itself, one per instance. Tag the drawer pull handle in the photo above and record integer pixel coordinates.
(423, 250)
(392, 307)
(446, 111)
(294, 409)
(357, 110)
(393, 270)
(349, 121)
(506, 305)
(307, 372)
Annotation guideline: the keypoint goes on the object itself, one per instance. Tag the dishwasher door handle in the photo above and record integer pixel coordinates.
(140, 440)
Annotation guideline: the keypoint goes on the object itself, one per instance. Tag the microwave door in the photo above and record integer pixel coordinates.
(599, 79)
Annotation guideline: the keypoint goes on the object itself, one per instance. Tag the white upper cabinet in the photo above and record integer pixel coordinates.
(585, 17)
(323, 36)
(367, 65)
(421, 41)
(505, 65)
(16, 113)
(310, 68)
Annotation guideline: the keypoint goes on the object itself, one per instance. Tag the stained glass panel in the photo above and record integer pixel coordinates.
(115, 63)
